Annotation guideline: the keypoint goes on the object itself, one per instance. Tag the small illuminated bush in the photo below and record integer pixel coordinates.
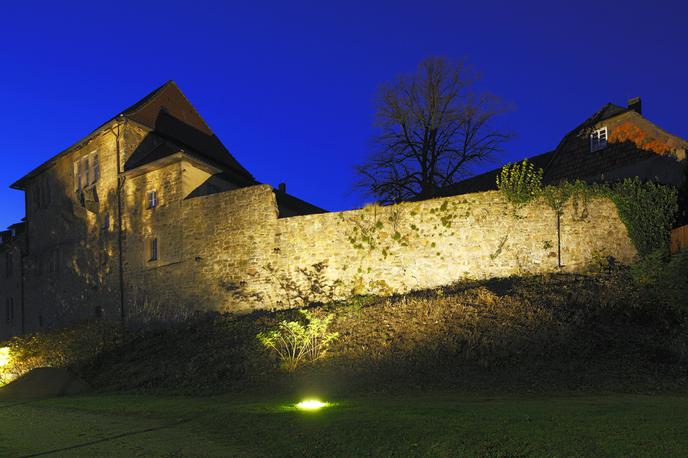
(520, 182)
(297, 344)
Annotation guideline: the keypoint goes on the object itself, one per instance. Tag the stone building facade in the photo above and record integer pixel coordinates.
(150, 218)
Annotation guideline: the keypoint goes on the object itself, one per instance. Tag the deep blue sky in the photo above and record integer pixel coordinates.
(289, 87)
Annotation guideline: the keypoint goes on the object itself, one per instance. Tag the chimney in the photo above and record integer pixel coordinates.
(282, 187)
(635, 104)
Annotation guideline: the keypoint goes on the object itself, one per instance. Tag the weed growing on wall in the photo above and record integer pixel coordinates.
(520, 182)
(297, 344)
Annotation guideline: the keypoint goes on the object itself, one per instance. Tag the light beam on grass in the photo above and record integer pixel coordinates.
(4, 356)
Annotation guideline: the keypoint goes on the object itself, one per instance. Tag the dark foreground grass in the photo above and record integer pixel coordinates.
(403, 425)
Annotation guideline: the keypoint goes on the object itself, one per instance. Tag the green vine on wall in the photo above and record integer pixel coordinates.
(647, 209)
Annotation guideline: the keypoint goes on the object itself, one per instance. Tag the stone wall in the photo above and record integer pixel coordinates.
(70, 271)
(239, 256)
(437, 242)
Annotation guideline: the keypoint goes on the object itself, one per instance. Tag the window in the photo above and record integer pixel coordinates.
(152, 199)
(53, 261)
(598, 139)
(95, 167)
(153, 250)
(39, 195)
(86, 171)
(9, 266)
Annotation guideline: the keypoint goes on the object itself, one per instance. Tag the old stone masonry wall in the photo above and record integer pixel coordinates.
(252, 259)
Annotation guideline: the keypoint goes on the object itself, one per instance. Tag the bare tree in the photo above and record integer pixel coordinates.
(433, 126)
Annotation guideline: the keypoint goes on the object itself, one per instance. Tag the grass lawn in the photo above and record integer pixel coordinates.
(405, 425)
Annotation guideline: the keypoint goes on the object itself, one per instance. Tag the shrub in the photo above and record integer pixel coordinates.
(64, 347)
(665, 276)
(520, 182)
(296, 344)
(648, 210)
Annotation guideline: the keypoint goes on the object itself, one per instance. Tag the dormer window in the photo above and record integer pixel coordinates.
(86, 171)
(598, 139)
(152, 199)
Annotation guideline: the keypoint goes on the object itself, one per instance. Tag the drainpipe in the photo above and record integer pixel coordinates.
(22, 254)
(21, 290)
(558, 240)
(120, 185)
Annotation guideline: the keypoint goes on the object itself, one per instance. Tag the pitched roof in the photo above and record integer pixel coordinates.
(168, 113)
(488, 181)
(295, 204)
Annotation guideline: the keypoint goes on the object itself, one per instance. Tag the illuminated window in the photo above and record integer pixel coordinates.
(153, 250)
(598, 139)
(86, 171)
(152, 199)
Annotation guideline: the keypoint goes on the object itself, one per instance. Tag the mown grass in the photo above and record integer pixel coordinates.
(431, 424)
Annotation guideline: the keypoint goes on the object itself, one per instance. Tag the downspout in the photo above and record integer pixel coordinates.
(21, 261)
(21, 289)
(559, 240)
(120, 186)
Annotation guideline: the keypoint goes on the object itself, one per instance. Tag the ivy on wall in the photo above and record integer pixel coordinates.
(647, 209)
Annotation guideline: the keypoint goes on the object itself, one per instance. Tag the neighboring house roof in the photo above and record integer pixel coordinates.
(557, 164)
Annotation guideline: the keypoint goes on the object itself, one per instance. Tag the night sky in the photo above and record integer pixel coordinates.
(289, 87)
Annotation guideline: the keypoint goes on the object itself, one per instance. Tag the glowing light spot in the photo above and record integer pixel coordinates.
(311, 404)
(4, 356)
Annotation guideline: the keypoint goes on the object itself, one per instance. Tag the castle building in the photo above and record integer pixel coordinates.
(103, 217)
(150, 217)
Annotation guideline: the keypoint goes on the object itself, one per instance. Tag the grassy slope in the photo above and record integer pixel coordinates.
(561, 332)
(413, 425)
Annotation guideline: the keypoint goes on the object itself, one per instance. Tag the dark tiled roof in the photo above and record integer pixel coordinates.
(169, 114)
(295, 204)
(488, 181)
(185, 136)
